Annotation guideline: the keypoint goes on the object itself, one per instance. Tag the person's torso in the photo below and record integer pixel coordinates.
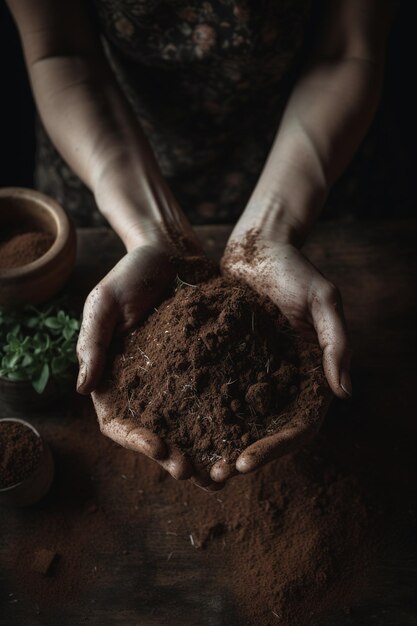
(201, 73)
(208, 82)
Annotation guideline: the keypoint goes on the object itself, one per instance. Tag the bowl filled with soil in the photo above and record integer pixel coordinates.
(26, 464)
(37, 247)
(213, 370)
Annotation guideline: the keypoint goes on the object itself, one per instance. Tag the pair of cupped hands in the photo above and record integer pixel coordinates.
(123, 299)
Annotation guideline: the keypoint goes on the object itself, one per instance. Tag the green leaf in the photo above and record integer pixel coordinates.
(32, 322)
(27, 360)
(59, 365)
(68, 333)
(17, 376)
(47, 342)
(10, 360)
(53, 323)
(37, 343)
(12, 340)
(40, 383)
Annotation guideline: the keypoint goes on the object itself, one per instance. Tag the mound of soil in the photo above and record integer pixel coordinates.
(215, 369)
(20, 451)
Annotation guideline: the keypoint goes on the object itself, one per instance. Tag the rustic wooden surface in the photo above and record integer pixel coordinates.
(375, 266)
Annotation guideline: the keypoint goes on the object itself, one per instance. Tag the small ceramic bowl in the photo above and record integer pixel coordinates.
(35, 486)
(42, 279)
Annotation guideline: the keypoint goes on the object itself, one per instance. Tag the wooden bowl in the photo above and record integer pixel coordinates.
(42, 279)
(35, 486)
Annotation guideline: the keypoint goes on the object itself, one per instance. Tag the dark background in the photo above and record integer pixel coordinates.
(379, 183)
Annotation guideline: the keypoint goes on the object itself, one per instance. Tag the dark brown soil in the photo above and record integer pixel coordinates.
(19, 249)
(20, 451)
(215, 369)
(292, 539)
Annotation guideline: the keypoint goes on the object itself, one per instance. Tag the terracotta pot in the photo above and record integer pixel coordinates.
(35, 486)
(42, 279)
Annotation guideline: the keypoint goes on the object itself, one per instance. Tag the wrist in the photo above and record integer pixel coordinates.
(143, 233)
(273, 222)
(284, 205)
(129, 217)
(139, 206)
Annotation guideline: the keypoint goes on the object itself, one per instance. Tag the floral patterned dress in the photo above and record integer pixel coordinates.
(208, 82)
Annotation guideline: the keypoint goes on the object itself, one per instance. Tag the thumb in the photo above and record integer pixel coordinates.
(99, 320)
(329, 322)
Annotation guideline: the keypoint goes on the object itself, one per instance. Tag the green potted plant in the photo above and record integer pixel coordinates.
(37, 355)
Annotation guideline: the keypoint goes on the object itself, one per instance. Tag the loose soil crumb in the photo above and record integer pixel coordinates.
(215, 369)
(43, 561)
(22, 248)
(20, 451)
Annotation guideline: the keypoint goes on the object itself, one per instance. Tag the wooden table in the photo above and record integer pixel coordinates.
(134, 571)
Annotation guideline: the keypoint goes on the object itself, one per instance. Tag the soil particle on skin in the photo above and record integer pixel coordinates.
(215, 369)
(247, 250)
(20, 451)
(19, 249)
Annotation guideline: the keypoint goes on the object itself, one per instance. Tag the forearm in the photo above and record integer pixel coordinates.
(325, 120)
(92, 125)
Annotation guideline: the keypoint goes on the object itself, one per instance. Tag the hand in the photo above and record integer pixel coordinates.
(118, 303)
(313, 307)
(128, 434)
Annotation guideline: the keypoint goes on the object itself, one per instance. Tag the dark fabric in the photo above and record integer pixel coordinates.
(208, 82)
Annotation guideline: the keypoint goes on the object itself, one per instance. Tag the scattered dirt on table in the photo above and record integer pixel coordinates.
(19, 248)
(287, 535)
(20, 451)
(216, 368)
(293, 539)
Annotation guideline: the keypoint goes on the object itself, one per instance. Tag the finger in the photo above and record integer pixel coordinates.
(126, 433)
(149, 274)
(273, 447)
(222, 471)
(141, 440)
(201, 478)
(146, 442)
(303, 327)
(177, 464)
(329, 322)
(99, 319)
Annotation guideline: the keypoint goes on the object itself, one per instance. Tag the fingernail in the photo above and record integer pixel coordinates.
(346, 383)
(82, 375)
